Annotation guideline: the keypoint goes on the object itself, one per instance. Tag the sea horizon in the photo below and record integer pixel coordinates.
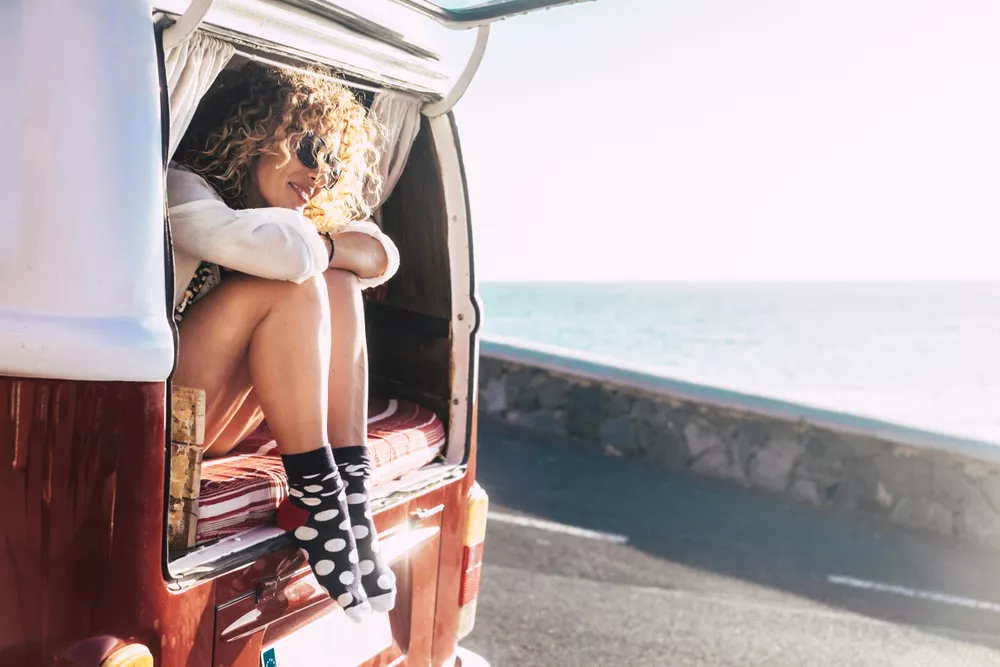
(921, 354)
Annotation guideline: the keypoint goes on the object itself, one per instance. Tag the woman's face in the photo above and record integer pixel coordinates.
(290, 185)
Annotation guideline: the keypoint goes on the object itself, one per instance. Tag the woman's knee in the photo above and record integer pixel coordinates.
(309, 290)
(347, 310)
(341, 285)
(343, 293)
(308, 299)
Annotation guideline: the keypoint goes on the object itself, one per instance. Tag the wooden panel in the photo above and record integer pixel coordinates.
(187, 435)
(182, 504)
(187, 415)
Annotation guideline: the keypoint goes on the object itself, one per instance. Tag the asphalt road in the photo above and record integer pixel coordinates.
(710, 574)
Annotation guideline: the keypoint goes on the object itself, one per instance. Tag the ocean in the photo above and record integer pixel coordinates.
(925, 355)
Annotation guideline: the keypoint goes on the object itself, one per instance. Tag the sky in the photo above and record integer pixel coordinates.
(663, 140)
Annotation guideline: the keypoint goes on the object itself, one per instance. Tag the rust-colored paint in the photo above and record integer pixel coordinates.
(20, 436)
(453, 541)
(450, 571)
(81, 484)
(82, 470)
(254, 610)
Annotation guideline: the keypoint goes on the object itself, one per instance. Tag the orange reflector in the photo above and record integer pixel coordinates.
(475, 526)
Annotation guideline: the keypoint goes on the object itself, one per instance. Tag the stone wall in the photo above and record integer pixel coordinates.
(923, 480)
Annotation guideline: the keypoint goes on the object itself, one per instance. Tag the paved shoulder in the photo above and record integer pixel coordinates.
(598, 561)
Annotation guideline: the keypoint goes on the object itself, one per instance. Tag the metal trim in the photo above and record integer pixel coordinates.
(186, 24)
(445, 105)
(360, 25)
(488, 12)
(250, 46)
(276, 29)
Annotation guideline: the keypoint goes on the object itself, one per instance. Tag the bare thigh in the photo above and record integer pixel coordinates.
(216, 335)
(213, 355)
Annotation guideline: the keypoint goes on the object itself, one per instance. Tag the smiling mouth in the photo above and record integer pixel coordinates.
(300, 193)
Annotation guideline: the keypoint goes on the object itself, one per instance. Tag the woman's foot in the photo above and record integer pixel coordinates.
(378, 580)
(316, 488)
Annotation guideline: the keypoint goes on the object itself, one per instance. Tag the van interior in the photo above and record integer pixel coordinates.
(413, 374)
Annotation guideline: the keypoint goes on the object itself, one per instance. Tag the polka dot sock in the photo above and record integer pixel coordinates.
(376, 577)
(324, 532)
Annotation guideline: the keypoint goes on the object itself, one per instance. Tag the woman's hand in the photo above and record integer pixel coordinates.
(358, 253)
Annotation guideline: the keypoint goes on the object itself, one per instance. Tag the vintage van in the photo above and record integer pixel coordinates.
(119, 547)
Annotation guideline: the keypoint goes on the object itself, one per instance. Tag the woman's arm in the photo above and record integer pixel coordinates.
(364, 250)
(273, 243)
(359, 254)
(268, 242)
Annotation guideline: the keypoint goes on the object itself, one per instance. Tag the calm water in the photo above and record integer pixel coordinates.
(924, 355)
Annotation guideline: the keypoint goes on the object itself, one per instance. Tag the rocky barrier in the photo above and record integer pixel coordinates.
(924, 480)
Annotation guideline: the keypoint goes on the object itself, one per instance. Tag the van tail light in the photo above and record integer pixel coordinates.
(472, 560)
(130, 655)
(106, 651)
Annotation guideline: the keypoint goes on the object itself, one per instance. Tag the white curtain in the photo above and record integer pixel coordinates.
(399, 114)
(193, 65)
(191, 68)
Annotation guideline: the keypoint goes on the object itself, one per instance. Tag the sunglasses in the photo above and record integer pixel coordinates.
(308, 154)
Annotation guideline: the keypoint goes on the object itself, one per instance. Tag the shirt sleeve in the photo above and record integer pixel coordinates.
(274, 243)
(391, 252)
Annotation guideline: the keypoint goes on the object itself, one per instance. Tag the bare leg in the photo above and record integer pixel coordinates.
(347, 423)
(272, 338)
(243, 424)
(348, 430)
(348, 402)
(269, 336)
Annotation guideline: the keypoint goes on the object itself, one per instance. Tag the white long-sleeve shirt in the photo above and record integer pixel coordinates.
(275, 243)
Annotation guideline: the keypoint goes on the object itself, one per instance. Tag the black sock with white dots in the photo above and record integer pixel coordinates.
(316, 488)
(378, 580)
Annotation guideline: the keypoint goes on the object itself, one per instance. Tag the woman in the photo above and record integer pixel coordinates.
(269, 272)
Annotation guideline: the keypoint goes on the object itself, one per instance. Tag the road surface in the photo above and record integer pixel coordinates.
(594, 561)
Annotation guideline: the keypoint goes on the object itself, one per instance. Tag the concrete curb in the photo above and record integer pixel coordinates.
(918, 478)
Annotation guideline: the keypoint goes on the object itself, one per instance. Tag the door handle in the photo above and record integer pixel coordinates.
(421, 514)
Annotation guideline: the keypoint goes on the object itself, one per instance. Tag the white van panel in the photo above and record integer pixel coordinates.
(82, 293)
(464, 317)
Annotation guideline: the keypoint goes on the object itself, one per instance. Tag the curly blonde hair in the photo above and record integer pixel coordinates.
(257, 110)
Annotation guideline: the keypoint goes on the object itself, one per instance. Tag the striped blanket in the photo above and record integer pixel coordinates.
(244, 489)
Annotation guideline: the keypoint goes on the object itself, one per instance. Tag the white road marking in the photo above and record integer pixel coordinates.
(915, 593)
(554, 527)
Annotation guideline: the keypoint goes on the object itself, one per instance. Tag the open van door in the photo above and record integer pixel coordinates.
(463, 14)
